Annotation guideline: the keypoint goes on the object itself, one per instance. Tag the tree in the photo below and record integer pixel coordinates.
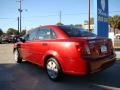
(12, 31)
(91, 21)
(114, 22)
(23, 32)
(78, 25)
(119, 25)
(59, 23)
(1, 32)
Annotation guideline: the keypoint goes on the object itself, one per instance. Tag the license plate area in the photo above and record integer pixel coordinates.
(103, 48)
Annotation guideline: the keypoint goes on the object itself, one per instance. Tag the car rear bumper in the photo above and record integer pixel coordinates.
(101, 64)
(85, 67)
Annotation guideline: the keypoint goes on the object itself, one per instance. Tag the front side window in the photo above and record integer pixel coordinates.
(32, 35)
(45, 34)
(76, 32)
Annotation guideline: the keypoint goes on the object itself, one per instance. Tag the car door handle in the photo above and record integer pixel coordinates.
(44, 44)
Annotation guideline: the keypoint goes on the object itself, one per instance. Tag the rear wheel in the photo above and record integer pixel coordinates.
(17, 57)
(53, 69)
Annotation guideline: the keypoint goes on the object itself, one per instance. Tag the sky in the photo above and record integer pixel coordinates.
(46, 12)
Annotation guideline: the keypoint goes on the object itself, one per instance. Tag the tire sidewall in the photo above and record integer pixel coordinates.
(17, 57)
(59, 74)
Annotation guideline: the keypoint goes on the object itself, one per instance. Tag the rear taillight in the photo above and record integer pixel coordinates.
(83, 48)
(91, 49)
(87, 49)
(78, 47)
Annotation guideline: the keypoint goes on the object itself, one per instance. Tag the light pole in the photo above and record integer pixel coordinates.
(18, 25)
(20, 11)
(89, 15)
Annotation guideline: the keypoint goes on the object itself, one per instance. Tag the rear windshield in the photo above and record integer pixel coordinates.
(72, 31)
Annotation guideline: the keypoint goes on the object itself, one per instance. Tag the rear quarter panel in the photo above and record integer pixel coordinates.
(66, 53)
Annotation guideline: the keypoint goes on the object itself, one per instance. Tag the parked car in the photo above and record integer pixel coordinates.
(0, 40)
(65, 50)
(117, 36)
(7, 38)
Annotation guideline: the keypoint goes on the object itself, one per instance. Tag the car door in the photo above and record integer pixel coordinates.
(26, 49)
(41, 44)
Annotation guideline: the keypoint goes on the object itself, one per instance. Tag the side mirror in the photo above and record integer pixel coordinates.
(18, 39)
(22, 39)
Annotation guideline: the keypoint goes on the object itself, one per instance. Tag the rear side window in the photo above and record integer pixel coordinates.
(72, 31)
(45, 34)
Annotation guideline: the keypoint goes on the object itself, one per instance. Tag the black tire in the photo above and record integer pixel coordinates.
(17, 57)
(53, 69)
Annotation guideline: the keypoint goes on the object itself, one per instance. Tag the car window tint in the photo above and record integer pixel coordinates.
(72, 31)
(45, 33)
(53, 35)
(32, 35)
(26, 37)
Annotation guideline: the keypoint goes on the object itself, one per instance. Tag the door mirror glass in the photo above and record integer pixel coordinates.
(22, 39)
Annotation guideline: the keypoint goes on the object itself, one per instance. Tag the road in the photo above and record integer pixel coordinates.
(26, 76)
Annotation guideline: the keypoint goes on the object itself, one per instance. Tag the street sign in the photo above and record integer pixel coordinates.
(101, 18)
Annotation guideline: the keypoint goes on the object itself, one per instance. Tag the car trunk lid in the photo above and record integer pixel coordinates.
(96, 47)
(100, 47)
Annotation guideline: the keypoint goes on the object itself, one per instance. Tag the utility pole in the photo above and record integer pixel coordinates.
(20, 11)
(89, 15)
(60, 16)
(18, 25)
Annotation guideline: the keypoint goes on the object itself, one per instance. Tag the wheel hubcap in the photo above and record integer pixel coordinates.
(16, 55)
(52, 69)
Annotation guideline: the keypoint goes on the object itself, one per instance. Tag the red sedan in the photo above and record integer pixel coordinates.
(65, 50)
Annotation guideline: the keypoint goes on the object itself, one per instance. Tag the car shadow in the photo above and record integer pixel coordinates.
(26, 76)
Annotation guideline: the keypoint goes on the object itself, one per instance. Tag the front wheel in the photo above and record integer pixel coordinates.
(53, 69)
(17, 57)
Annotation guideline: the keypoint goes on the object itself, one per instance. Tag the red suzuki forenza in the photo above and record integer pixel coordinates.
(65, 50)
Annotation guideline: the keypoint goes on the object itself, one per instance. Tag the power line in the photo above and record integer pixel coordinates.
(8, 18)
(63, 14)
(114, 11)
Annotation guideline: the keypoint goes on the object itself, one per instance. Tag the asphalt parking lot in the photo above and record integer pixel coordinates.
(27, 76)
